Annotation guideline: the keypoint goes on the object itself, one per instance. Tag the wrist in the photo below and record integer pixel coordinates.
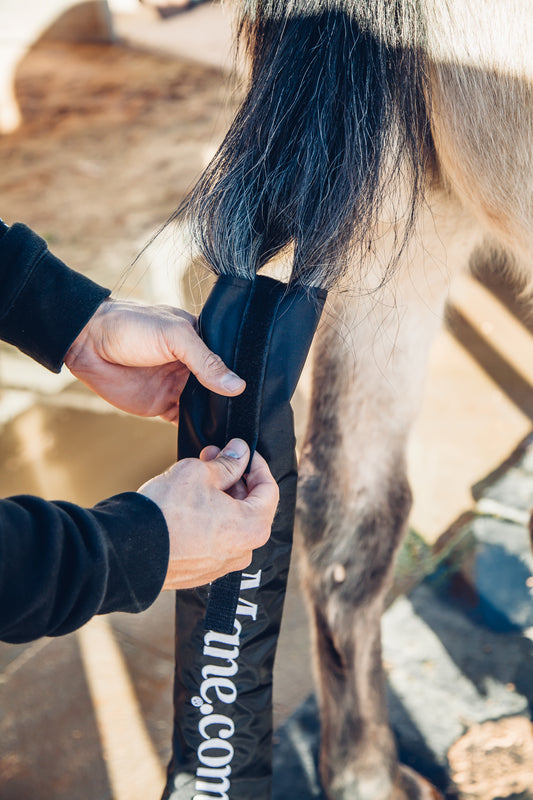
(85, 336)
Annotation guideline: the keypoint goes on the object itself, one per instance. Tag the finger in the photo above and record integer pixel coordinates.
(229, 465)
(172, 413)
(207, 366)
(239, 491)
(243, 562)
(181, 313)
(209, 453)
(259, 472)
(262, 488)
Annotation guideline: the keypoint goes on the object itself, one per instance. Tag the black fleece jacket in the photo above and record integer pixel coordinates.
(61, 564)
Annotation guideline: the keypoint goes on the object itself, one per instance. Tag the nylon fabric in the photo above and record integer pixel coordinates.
(244, 418)
(222, 742)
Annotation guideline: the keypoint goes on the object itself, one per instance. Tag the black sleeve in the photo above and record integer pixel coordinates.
(61, 564)
(43, 304)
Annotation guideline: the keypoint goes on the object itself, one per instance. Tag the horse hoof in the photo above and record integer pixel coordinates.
(415, 787)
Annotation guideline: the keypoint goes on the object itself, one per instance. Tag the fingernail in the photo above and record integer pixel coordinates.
(235, 449)
(232, 382)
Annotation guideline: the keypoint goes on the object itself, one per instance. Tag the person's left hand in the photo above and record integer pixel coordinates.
(138, 358)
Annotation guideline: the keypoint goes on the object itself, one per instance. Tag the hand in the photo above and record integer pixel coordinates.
(215, 519)
(138, 358)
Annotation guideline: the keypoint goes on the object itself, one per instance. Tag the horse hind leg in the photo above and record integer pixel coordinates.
(354, 501)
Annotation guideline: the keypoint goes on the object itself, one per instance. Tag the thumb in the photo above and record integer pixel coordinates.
(229, 465)
(208, 367)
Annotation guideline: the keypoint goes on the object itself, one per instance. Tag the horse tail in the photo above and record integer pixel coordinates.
(335, 116)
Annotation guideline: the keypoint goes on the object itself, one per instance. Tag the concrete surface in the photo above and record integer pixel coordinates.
(56, 739)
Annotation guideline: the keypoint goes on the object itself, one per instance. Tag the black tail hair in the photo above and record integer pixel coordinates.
(335, 113)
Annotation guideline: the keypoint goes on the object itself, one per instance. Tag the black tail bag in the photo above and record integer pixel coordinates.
(226, 634)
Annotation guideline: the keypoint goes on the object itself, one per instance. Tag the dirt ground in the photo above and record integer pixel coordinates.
(111, 140)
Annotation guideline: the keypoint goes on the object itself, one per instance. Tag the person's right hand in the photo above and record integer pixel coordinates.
(215, 519)
(138, 358)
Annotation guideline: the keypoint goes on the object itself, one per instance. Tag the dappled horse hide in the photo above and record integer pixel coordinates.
(379, 144)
